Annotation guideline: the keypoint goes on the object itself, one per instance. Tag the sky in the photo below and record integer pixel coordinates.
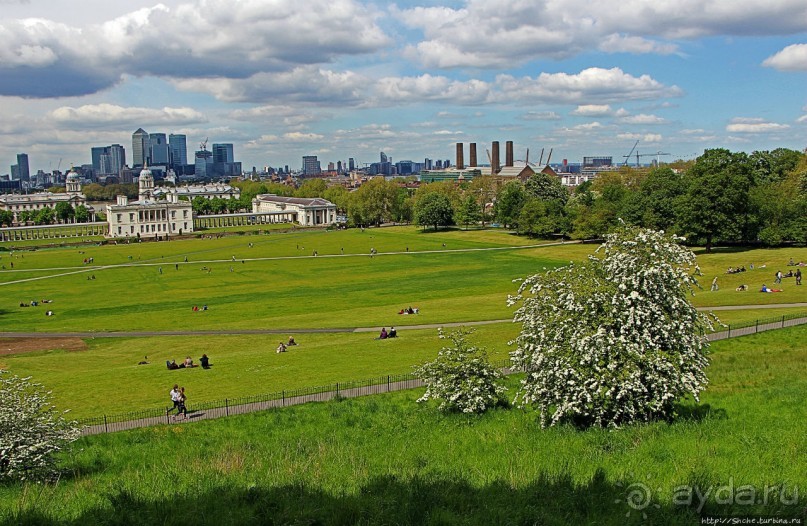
(348, 78)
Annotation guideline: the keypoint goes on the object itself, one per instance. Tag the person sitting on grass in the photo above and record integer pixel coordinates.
(281, 348)
(742, 288)
(392, 333)
(204, 361)
(291, 341)
(171, 365)
(188, 363)
(383, 335)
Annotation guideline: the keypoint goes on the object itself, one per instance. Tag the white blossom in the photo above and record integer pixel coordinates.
(613, 340)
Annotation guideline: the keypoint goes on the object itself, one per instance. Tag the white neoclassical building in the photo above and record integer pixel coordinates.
(149, 216)
(208, 191)
(16, 203)
(309, 211)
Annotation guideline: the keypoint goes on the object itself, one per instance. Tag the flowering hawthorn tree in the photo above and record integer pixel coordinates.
(461, 377)
(614, 340)
(31, 430)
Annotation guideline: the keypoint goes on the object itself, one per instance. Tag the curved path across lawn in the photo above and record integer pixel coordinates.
(229, 332)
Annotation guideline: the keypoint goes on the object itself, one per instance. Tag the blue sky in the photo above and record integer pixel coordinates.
(344, 78)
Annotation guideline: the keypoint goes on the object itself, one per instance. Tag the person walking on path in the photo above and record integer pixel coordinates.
(175, 394)
(181, 409)
(714, 285)
(778, 277)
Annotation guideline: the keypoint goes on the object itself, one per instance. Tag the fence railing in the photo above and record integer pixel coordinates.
(380, 384)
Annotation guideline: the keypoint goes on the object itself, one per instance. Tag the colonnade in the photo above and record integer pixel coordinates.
(243, 219)
(21, 233)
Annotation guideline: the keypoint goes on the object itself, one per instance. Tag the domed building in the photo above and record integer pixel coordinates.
(149, 216)
(17, 203)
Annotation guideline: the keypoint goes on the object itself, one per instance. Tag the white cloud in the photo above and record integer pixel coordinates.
(754, 125)
(593, 110)
(530, 30)
(590, 86)
(540, 116)
(802, 119)
(643, 118)
(303, 137)
(111, 114)
(637, 45)
(644, 138)
(198, 39)
(791, 58)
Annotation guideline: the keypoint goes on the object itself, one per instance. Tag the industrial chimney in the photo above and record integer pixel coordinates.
(472, 155)
(508, 153)
(460, 159)
(495, 165)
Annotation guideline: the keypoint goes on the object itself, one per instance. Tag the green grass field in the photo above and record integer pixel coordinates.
(281, 286)
(387, 460)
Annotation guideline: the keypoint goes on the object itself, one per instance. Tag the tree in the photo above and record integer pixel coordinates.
(31, 430)
(509, 202)
(44, 216)
(433, 209)
(461, 377)
(312, 188)
(716, 202)
(546, 188)
(201, 205)
(218, 205)
(614, 340)
(64, 211)
(373, 202)
(82, 214)
(6, 217)
(540, 218)
(337, 195)
(468, 212)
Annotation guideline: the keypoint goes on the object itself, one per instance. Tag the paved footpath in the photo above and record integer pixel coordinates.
(197, 413)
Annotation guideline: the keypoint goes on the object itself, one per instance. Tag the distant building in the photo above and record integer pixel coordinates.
(149, 216)
(204, 164)
(24, 169)
(311, 165)
(158, 149)
(309, 212)
(208, 191)
(451, 174)
(140, 147)
(597, 162)
(16, 203)
(108, 160)
(178, 148)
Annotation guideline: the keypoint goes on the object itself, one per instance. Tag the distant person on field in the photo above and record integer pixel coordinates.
(291, 341)
(181, 409)
(714, 285)
(281, 348)
(204, 361)
(392, 333)
(798, 276)
(383, 335)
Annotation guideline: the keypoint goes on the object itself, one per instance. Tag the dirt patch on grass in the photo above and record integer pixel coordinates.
(24, 345)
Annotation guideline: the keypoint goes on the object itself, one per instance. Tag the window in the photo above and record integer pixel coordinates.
(119, 217)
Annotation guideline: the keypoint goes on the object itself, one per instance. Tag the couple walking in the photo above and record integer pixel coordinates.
(178, 398)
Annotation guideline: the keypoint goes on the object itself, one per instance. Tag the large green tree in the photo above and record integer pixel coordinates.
(64, 211)
(468, 212)
(433, 209)
(715, 204)
(508, 205)
(82, 214)
(6, 217)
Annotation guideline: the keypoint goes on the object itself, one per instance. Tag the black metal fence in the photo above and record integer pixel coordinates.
(380, 384)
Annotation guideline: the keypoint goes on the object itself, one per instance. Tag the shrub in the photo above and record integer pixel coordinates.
(461, 377)
(614, 340)
(31, 430)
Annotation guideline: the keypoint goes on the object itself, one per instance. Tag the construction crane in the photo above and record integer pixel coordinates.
(627, 157)
(203, 145)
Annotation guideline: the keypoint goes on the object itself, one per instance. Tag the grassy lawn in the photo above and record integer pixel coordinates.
(280, 285)
(386, 460)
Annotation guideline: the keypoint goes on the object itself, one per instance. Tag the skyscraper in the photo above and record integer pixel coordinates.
(351, 164)
(383, 157)
(140, 147)
(223, 153)
(158, 149)
(178, 145)
(108, 160)
(311, 165)
(22, 166)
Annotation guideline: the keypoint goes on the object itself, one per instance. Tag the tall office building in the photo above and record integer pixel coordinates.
(108, 160)
(311, 165)
(158, 149)
(140, 147)
(178, 145)
(22, 166)
(351, 164)
(204, 164)
(96, 152)
(383, 157)
(223, 153)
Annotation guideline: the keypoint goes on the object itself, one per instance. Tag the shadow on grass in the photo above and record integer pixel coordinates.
(384, 500)
(697, 412)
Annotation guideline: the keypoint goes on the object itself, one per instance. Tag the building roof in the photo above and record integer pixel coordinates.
(302, 201)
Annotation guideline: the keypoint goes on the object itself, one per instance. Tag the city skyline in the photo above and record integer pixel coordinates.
(341, 79)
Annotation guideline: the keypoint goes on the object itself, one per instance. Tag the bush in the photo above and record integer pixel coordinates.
(615, 340)
(31, 430)
(461, 377)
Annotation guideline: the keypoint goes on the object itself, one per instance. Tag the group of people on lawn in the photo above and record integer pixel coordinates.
(187, 363)
(284, 346)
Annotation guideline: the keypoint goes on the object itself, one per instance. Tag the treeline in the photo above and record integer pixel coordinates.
(722, 196)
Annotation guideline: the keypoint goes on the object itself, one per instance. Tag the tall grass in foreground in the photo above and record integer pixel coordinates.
(386, 460)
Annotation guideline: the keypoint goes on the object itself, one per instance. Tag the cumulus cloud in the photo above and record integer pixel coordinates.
(754, 125)
(202, 39)
(791, 58)
(645, 138)
(540, 116)
(303, 137)
(643, 118)
(110, 114)
(525, 31)
(592, 84)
